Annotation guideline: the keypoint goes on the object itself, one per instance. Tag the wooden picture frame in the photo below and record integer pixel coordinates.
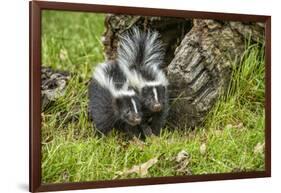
(36, 8)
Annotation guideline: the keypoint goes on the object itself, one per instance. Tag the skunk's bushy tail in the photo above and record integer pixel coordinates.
(140, 55)
(138, 48)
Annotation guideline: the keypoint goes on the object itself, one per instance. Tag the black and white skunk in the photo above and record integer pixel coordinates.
(111, 103)
(140, 56)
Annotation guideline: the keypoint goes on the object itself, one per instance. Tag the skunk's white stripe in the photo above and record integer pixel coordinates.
(119, 93)
(152, 83)
(107, 82)
(155, 94)
(161, 77)
(134, 105)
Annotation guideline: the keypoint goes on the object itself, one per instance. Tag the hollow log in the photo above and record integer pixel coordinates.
(199, 59)
(202, 66)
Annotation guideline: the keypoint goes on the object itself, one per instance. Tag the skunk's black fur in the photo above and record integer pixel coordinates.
(154, 118)
(111, 103)
(140, 55)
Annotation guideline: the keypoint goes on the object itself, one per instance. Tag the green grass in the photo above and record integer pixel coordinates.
(70, 151)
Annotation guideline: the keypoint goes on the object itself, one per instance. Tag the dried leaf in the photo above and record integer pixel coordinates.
(181, 156)
(229, 126)
(63, 54)
(182, 160)
(141, 170)
(65, 176)
(203, 149)
(183, 171)
(240, 126)
(259, 148)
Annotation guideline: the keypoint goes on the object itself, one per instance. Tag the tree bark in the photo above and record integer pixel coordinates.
(199, 58)
(172, 31)
(201, 68)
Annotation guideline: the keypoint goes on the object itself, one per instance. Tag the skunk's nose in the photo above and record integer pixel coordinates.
(156, 107)
(134, 119)
(137, 119)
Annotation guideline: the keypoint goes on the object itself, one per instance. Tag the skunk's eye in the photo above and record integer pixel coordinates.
(127, 111)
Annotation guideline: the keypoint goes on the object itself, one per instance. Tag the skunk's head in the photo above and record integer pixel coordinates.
(126, 105)
(128, 108)
(154, 92)
(154, 97)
